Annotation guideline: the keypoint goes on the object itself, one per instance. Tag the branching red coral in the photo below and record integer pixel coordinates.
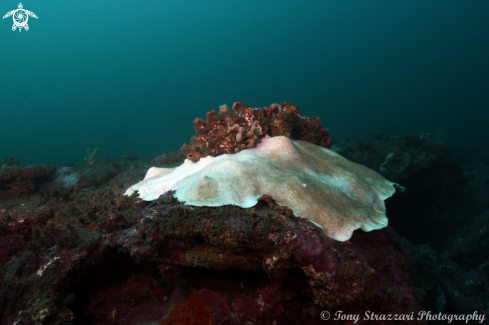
(232, 131)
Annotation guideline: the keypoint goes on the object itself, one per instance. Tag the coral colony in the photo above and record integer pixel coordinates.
(239, 129)
(256, 226)
(334, 193)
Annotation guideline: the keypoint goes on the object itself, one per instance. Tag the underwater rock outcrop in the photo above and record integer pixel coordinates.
(121, 261)
(415, 161)
(17, 181)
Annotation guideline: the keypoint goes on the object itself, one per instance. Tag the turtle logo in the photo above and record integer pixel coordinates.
(20, 17)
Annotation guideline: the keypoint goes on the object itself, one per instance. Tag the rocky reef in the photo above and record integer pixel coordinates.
(17, 181)
(101, 258)
(75, 250)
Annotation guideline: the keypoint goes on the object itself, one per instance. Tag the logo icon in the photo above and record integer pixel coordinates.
(20, 17)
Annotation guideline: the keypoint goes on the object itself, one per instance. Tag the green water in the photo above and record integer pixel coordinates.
(130, 76)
